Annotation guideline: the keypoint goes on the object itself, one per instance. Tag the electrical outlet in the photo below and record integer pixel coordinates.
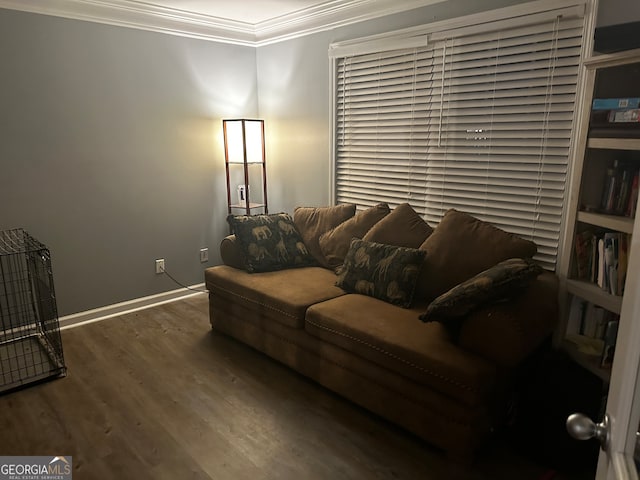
(160, 265)
(204, 255)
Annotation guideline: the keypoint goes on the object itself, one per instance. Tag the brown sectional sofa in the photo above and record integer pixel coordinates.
(447, 386)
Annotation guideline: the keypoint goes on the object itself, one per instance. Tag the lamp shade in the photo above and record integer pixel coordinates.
(244, 140)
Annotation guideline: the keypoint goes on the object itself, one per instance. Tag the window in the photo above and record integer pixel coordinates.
(477, 118)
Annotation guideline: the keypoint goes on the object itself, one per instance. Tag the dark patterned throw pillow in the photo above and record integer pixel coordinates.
(270, 242)
(502, 281)
(381, 271)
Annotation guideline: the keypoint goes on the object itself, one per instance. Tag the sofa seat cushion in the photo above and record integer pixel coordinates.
(283, 296)
(395, 339)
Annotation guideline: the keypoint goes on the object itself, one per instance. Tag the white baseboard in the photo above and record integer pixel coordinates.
(102, 313)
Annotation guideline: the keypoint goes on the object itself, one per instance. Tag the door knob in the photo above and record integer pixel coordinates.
(582, 427)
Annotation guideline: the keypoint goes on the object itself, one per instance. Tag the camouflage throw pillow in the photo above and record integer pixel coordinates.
(500, 282)
(385, 272)
(270, 242)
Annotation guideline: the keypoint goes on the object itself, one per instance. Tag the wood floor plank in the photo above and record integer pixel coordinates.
(155, 394)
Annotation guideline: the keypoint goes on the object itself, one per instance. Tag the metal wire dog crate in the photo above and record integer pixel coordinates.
(30, 343)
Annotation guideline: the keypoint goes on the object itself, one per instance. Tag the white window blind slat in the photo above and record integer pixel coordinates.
(471, 129)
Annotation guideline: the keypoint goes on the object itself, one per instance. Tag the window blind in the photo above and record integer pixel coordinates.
(478, 119)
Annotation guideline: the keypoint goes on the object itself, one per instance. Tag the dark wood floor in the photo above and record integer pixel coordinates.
(156, 395)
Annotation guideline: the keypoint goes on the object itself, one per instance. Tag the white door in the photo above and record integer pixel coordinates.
(616, 462)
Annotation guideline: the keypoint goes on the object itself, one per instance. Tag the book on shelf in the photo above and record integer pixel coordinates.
(609, 340)
(576, 314)
(591, 329)
(615, 103)
(610, 188)
(623, 261)
(627, 115)
(633, 196)
(601, 277)
(611, 242)
(584, 318)
(602, 258)
(594, 321)
(615, 117)
(583, 247)
(624, 190)
(594, 259)
(620, 189)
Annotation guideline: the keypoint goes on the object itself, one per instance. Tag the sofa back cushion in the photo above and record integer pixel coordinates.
(462, 246)
(312, 222)
(335, 243)
(403, 227)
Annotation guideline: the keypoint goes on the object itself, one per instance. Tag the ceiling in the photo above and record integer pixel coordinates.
(243, 22)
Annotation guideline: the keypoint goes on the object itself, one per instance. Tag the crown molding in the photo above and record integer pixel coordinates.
(329, 15)
(146, 16)
(142, 16)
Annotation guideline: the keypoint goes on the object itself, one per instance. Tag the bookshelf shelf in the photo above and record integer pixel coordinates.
(611, 222)
(610, 143)
(595, 295)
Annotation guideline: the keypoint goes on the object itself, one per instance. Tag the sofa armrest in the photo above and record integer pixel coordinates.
(231, 254)
(508, 332)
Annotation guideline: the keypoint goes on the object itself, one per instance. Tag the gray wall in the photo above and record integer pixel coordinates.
(294, 99)
(111, 150)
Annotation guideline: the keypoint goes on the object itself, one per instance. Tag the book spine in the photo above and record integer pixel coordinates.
(615, 103)
(594, 259)
(611, 333)
(601, 279)
(633, 196)
(611, 188)
(626, 179)
(600, 323)
(611, 242)
(623, 259)
(583, 252)
(590, 321)
(631, 115)
(575, 323)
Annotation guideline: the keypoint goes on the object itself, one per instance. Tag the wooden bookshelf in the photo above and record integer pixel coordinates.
(606, 161)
